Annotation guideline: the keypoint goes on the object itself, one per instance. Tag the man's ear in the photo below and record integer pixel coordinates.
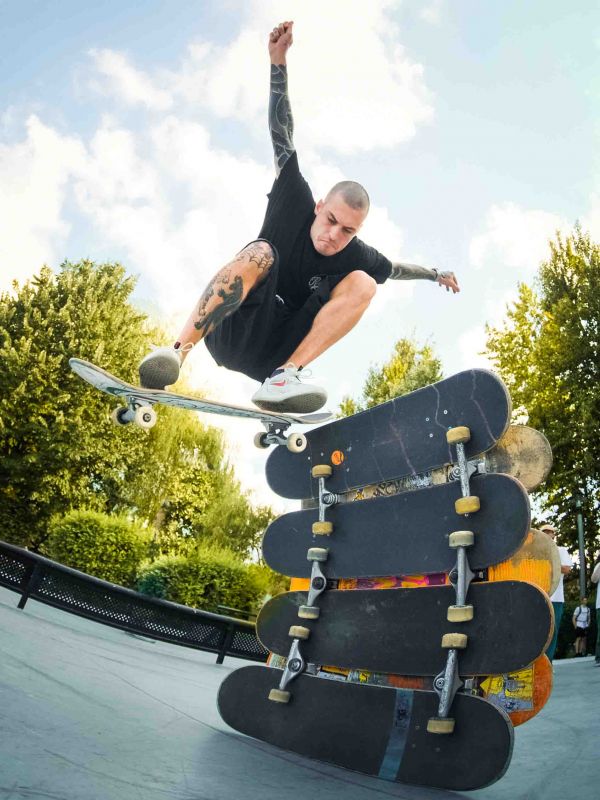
(319, 206)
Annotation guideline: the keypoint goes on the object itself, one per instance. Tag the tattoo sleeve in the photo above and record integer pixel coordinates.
(281, 123)
(412, 272)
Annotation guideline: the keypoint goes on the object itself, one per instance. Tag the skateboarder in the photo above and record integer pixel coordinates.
(298, 288)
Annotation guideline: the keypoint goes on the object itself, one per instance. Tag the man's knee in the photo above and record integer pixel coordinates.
(360, 285)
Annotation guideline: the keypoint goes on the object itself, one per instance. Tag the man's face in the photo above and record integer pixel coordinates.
(335, 225)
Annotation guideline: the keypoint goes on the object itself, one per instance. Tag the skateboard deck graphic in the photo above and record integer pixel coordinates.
(404, 436)
(376, 630)
(536, 561)
(139, 398)
(403, 533)
(377, 731)
(522, 452)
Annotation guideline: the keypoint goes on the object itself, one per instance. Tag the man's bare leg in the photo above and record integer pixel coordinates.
(349, 301)
(224, 294)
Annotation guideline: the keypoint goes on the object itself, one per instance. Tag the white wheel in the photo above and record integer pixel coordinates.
(145, 417)
(278, 696)
(296, 442)
(121, 416)
(309, 612)
(317, 554)
(461, 539)
(259, 441)
(299, 632)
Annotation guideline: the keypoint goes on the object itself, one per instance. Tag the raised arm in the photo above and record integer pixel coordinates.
(281, 123)
(412, 272)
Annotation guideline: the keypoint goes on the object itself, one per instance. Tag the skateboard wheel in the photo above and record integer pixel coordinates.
(460, 613)
(119, 417)
(309, 612)
(461, 539)
(317, 554)
(279, 696)
(458, 435)
(145, 417)
(440, 725)
(321, 471)
(322, 528)
(454, 641)
(260, 440)
(467, 505)
(296, 442)
(299, 632)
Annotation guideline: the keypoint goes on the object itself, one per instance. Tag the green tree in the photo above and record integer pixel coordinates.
(410, 367)
(548, 352)
(58, 449)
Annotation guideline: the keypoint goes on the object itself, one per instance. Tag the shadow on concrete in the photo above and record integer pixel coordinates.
(92, 713)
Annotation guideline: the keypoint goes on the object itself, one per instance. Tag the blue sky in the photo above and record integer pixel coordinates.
(137, 133)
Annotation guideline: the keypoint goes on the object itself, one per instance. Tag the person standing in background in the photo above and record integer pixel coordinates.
(558, 598)
(581, 622)
(595, 578)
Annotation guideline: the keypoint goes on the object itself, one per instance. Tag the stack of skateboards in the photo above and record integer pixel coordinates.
(421, 676)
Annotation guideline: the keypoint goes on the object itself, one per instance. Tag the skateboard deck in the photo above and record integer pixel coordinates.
(536, 561)
(403, 533)
(139, 402)
(522, 452)
(404, 436)
(521, 694)
(400, 630)
(377, 731)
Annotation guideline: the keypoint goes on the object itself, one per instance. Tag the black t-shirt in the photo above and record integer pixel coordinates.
(288, 219)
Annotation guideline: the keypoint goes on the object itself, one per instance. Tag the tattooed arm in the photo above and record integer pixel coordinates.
(411, 272)
(281, 123)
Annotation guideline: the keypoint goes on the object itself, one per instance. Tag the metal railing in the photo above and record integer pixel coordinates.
(46, 581)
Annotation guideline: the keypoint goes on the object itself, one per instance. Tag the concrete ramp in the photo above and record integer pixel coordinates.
(88, 712)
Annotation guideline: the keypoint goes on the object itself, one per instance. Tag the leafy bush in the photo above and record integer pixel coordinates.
(204, 578)
(109, 547)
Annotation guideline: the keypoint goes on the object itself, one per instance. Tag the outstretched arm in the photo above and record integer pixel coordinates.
(281, 123)
(411, 272)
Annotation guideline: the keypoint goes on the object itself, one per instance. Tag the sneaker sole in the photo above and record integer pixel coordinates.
(158, 374)
(303, 404)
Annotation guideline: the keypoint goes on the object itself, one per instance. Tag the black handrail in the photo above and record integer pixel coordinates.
(37, 577)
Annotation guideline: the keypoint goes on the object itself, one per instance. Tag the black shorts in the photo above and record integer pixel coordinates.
(581, 633)
(263, 333)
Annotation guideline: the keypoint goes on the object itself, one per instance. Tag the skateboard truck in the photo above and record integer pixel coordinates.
(295, 665)
(447, 683)
(326, 499)
(144, 416)
(276, 434)
(318, 582)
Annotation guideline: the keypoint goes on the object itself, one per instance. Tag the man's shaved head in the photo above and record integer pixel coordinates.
(352, 193)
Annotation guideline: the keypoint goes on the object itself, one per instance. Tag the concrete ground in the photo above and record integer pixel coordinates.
(92, 713)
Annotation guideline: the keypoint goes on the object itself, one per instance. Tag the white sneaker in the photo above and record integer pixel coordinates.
(160, 368)
(284, 391)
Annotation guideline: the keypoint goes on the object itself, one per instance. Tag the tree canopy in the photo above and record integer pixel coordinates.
(548, 352)
(58, 448)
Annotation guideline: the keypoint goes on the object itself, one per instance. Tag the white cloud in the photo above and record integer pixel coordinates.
(432, 13)
(117, 77)
(34, 175)
(515, 238)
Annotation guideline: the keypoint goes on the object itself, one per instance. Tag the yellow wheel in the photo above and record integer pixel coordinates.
(454, 641)
(461, 539)
(458, 435)
(321, 471)
(467, 505)
(440, 725)
(317, 554)
(322, 528)
(279, 696)
(299, 632)
(460, 613)
(309, 612)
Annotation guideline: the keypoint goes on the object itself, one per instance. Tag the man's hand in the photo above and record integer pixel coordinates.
(448, 279)
(280, 41)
